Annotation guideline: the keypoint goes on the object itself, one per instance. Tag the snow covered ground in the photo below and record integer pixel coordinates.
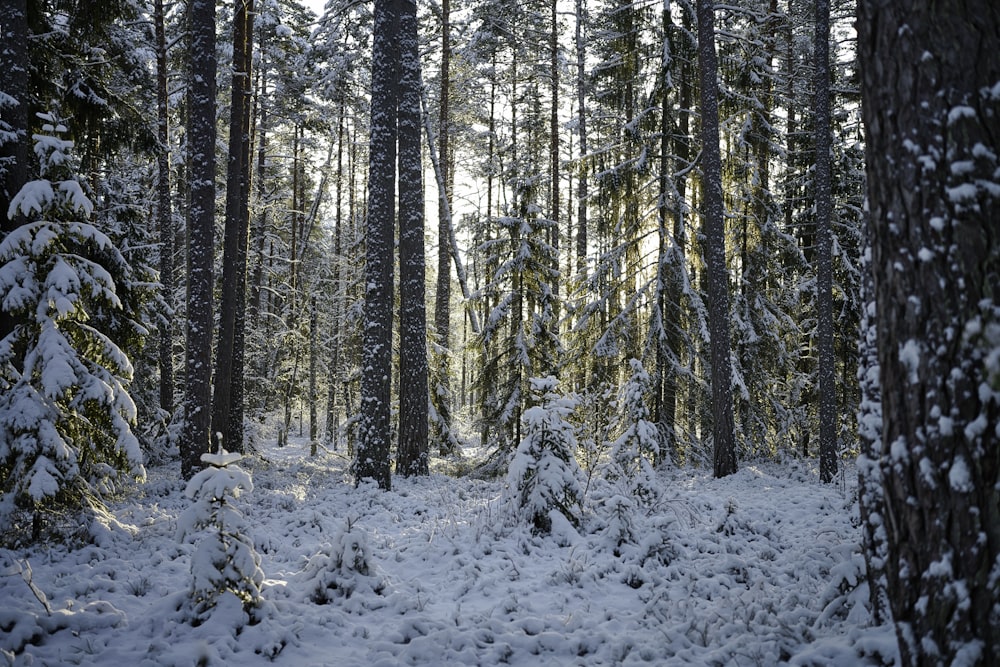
(756, 569)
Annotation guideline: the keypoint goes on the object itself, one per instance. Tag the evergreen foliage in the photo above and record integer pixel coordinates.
(224, 560)
(544, 476)
(66, 417)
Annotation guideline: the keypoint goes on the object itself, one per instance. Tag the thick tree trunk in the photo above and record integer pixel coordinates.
(235, 235)
(413, 455)
(201, 235)
(374, 432)
(931, 107)
(715, 246)
(823, 191)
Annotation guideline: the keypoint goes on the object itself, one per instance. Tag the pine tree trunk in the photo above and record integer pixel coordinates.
(442, 299)
(235, 238)
(413, 454)
(164, 216)
(823, 184)
(373, 450)
(715, 247)
(201, 236)
(931, 108)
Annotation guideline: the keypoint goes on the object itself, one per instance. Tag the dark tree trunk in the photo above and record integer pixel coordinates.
(235, 234)
(715, 246)
(374, 433)
(823, 192)
(413, 397)
(931, 107)
(201, 235)
(164, 216)
(442, 299)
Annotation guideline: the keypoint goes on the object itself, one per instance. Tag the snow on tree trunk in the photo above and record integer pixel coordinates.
(201, 236)
(723, 432)
(372, 456)
(931, 107)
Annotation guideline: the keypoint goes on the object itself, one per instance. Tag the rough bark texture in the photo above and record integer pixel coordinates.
(823, 184)
(235, 235)
(413, 397)
(164, 215)
(201, 235)
(374, 433)
(442, 298)
(931, 106)
(715, 246)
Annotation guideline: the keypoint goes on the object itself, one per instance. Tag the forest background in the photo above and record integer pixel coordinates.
(213, 174)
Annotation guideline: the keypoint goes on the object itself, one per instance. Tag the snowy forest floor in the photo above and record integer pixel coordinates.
(760, 568)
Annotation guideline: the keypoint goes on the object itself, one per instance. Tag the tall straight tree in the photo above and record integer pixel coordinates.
(931, 108)
(715, 246)
(164, 215)
(235, 231)
(201, 234)
(374, 433)
(823, 192)
(442, 299)
(413, 396)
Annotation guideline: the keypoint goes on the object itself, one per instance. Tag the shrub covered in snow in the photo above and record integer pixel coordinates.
(341, 568)
(544, 476)
(66, 416)
(225, 560)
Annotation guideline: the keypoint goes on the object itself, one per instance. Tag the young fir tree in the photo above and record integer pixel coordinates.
(544, 476)
(66, 440)
(638, 447)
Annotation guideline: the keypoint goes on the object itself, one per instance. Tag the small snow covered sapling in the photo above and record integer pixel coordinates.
(638, 447)
(66, 416)
(225, 560)
(341, 568)
(544, 475)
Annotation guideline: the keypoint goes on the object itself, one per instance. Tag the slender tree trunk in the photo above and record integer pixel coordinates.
(931, 108)
(442, 299)
(824, 237)
(164, 216)
(235, 235)
(201, 235)
(715, 247)
(413, 455)
(373, 450)
(313, 363)
(583, 180)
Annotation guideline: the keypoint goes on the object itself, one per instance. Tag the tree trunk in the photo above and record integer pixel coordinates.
(201, 235)
(164, 217)
(373, 450)
(823, 184)
(931, 108)
(715, 247)
(413, 455)
(442, 298)
(235, 236)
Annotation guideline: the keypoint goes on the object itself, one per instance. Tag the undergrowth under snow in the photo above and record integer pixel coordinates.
(760, 568)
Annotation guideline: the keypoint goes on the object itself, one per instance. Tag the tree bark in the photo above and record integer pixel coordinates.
(823, 184)
(715, 247)
(374, 433)
(201, 235)
(164, 216)
(235, 235)
(413, 455)
(931, 108)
